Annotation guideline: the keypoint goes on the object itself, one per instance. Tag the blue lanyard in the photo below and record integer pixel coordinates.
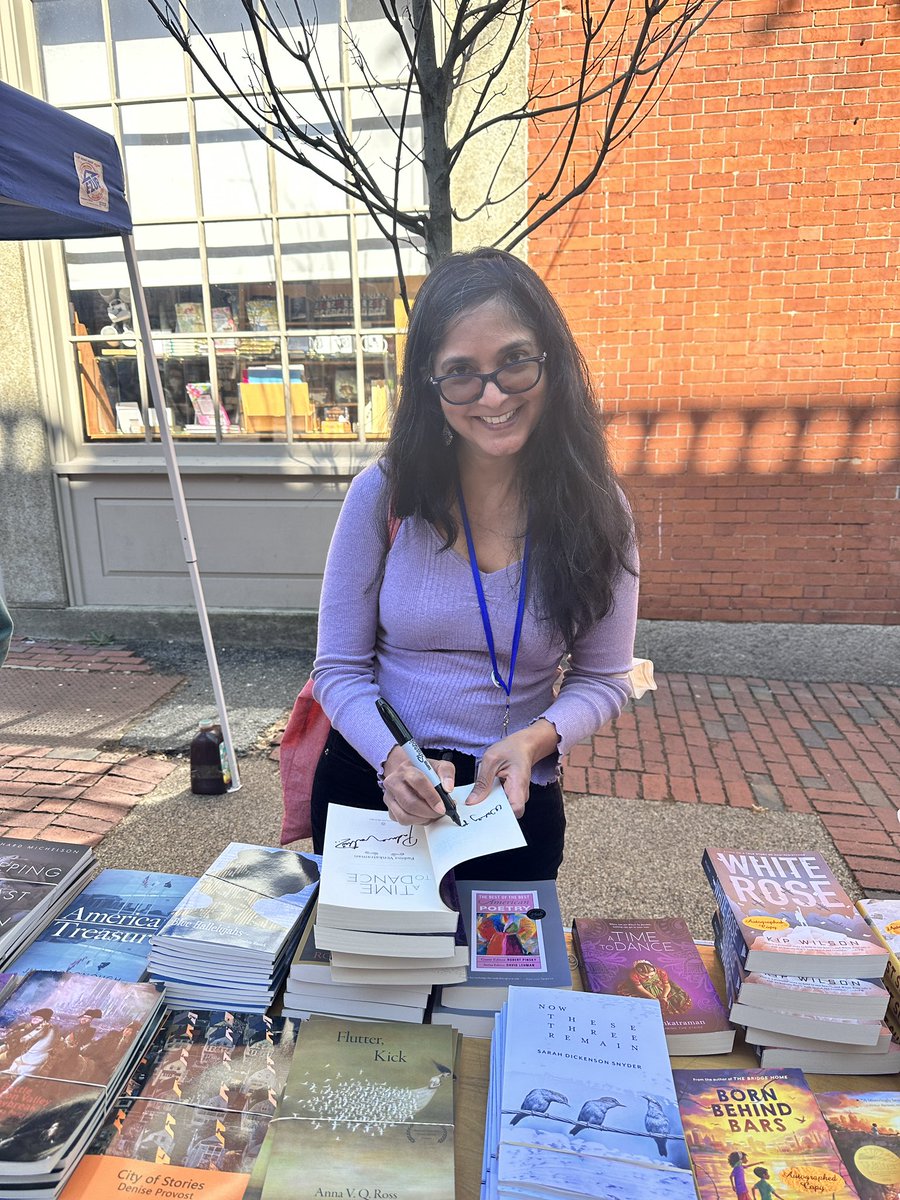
(496, 678)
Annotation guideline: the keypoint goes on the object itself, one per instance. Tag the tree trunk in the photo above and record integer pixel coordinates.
(434, 97)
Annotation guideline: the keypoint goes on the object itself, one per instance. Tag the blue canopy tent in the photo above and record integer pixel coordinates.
(63, 178)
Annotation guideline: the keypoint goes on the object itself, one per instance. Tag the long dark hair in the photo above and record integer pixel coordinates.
(581, 533)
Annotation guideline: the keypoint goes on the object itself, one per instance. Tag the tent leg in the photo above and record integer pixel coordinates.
(139, 302)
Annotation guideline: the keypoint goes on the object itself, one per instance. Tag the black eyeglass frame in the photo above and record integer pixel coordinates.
(490, 377)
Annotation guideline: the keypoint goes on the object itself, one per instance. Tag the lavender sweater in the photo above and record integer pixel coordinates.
(418, 641)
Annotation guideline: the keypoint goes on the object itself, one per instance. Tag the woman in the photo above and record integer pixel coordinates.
(490, 541)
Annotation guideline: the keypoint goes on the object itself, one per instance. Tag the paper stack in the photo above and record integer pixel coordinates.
(516, 937)
(581, 1101)
(388, 911)
(230, 941)
(802, 968)
(67, 1044)
(37, 879)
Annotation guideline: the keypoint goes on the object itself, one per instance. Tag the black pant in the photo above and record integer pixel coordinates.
(344, 777)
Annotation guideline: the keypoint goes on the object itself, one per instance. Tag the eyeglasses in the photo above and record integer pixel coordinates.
(514, 377)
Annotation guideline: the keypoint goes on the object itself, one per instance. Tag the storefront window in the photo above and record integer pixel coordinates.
(274, 301)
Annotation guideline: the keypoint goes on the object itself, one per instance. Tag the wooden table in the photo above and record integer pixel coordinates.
(474, 1070)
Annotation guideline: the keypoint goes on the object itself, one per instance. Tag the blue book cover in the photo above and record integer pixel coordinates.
(106, 929)
(587, 1100)
(253, 900)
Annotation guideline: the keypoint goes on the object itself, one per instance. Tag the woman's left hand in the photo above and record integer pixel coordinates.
(510, 761)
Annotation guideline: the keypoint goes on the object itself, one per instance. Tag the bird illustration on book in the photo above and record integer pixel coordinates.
(538, 1101)
(593, 1113)
(656, 1121)
(371, 1105)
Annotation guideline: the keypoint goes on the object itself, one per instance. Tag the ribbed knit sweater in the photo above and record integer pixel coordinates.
(417, 639)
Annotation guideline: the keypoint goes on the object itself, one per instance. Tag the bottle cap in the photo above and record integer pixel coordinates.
(208, 724)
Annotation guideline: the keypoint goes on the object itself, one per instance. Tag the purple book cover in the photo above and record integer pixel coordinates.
(654, 959)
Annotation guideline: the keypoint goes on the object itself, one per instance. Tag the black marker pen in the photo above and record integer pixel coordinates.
(405, 741)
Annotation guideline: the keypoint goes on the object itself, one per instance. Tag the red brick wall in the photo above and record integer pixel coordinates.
(733, 278)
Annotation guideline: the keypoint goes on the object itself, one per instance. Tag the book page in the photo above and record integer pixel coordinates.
(487, 828)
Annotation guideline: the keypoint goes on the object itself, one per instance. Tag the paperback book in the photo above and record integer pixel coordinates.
(844, 1061)
(368, 1109)
(788, 915)
(67, 1043)
(844, 1031)
(106, 929)
(36, 879)
(883, 917)
(231, 939)
(515, 936)
(378, 876)
(866, 1131)
(656, 960)
(192, 1117)
(758, 1132)
(584, 1104)
(861, 999)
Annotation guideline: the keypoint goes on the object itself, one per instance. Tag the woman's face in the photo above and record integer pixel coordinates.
(498, 425)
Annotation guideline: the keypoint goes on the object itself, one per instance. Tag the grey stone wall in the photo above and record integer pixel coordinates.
(31, 563)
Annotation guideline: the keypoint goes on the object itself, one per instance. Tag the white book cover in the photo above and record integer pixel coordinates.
(859, 998)
(378, 875)
(841, 1030)
(588, 1103)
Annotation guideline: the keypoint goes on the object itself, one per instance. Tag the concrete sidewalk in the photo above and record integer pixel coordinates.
(733, 749)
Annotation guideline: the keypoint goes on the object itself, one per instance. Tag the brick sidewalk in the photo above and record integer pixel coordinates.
(832, 749)
(71, 793)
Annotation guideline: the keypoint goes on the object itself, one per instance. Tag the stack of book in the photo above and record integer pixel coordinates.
(515, 936)
(311, 988)
(67, 1044)
(388, 911)
(368, 1111)
(37, 879)
(759, 1132)
(883, 918)
(198, 1105)
(581, 1101)
(230, 940)
(657, 960)
(106, 929)
(801, 966)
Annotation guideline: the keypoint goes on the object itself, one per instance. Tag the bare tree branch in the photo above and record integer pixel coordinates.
(465, 60)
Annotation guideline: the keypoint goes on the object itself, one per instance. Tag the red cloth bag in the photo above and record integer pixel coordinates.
(301, 747)
(302, 744)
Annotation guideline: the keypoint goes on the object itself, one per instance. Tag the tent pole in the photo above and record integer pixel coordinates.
(139, 304)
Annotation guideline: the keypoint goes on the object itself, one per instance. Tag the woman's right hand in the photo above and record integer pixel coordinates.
(410, 798)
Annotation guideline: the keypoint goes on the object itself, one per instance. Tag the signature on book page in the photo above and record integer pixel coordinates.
(406, 838)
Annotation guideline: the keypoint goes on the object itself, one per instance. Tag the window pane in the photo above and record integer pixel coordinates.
(228, 26)
(376, 255)
(169, 255)
(158, 161)
(73, 52)
(98, 278)
(300, 188)
(108, 382)
(239, 252)
(373, 39)
(234, 176)
(323, 26)
(148, 61)
(316, 266)
(380, 129)
(379, 366)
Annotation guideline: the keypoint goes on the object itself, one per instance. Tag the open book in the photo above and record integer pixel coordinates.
(378, 875)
